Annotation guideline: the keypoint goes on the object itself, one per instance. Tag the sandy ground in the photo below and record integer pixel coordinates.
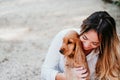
(27, 28)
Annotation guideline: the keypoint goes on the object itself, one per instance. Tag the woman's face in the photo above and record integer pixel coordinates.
(89, 40)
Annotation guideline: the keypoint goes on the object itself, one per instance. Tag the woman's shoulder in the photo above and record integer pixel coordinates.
(59, 36)
(64, 31)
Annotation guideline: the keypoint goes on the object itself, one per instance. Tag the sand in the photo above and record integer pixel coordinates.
(27, 28)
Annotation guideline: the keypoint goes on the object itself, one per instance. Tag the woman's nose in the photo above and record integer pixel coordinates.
(87, 44)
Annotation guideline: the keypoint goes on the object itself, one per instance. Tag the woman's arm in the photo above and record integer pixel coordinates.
(50, 68)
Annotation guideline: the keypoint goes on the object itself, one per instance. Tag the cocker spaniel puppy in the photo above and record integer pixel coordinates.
(72, 50)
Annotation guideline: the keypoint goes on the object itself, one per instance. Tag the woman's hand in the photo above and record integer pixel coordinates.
(81, 73)
(60, 76)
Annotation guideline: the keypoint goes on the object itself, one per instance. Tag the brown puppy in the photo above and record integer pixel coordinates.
(72, 50)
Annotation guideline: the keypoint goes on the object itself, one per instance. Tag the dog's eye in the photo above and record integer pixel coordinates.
(69, 42)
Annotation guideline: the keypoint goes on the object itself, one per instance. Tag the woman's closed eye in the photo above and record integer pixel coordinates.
(95, 43)
(84, 37)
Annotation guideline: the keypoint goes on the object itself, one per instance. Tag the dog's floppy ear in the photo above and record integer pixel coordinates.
(77, 51)
(79, 54)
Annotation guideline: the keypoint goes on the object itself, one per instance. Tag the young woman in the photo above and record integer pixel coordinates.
(100, 44)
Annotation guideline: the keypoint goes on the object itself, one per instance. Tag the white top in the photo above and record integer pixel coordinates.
(54, 61)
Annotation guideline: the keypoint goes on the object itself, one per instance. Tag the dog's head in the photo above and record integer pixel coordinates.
(70, 40)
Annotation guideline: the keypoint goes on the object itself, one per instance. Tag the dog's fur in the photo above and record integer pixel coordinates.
(72, 50)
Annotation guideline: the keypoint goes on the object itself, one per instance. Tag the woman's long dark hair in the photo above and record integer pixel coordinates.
(108, 64)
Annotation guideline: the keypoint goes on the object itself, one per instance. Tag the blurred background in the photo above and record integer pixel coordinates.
(27, 28)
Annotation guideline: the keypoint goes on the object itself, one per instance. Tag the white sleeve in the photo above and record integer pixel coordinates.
(50, 66)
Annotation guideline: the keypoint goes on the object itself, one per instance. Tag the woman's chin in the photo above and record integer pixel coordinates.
(87, 49)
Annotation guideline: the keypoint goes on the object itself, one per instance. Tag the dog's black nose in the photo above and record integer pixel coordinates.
(61, 51)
